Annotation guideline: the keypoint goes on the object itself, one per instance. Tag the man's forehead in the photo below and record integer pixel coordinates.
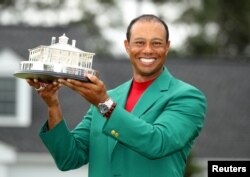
(141, 24)
(142, 27)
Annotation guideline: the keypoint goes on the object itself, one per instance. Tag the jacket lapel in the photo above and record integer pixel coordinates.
(153, 93)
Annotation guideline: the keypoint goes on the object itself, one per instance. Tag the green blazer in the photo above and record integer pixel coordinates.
(153, 140)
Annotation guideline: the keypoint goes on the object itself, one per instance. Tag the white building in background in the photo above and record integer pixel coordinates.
(15, 94)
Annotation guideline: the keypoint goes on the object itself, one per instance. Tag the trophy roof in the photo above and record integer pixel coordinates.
(63, 45)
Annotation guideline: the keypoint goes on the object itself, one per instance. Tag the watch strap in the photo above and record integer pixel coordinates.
(108, 114)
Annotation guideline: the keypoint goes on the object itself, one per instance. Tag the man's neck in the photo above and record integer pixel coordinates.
(145, 78)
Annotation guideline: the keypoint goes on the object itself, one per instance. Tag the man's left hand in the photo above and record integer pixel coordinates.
(94, 91)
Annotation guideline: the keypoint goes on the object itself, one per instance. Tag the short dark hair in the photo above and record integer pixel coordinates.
(146, 17)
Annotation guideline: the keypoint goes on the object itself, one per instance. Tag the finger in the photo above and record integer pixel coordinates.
(32, 83)
(48, 89)
(54, 87)
(50, 85)
(29, 81)
(55, 83)
(92, 78)
(67, 83)
(75, 82)
(95, 82)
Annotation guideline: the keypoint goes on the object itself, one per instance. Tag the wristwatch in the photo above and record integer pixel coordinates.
(107, 107)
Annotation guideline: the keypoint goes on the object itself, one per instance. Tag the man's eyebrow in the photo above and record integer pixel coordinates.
(159, 39)
(153, 39)
(139, 38)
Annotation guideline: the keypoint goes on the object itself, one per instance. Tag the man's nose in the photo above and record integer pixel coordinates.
(147, 49)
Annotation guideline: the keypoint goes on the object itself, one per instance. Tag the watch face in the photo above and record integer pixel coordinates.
(103, 108)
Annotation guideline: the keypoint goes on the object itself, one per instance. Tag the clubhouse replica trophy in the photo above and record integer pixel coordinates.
(59, 60)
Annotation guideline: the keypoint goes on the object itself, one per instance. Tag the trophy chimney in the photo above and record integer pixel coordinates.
(73, 43)
(53, 40)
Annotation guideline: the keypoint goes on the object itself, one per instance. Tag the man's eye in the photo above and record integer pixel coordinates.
(156, 44)
(139, 43)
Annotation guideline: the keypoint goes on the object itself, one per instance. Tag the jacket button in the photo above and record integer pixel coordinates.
(113, 132)
(116, 135)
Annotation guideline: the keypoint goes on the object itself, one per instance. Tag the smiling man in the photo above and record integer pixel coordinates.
(147, 45)
(143, 128)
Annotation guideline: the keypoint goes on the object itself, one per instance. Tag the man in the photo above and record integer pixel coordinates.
(143, 128)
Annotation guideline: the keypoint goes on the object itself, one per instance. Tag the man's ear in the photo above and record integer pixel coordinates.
(168, 44)
(126, 45)
(167, 47)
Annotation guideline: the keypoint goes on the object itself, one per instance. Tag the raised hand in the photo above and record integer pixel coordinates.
(94, 91)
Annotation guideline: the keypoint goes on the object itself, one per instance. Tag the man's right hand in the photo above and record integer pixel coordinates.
(49, 93)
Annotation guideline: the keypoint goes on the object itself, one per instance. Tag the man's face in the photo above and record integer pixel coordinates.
(147, 49)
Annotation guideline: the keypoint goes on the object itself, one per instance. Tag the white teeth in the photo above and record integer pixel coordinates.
(147, 60)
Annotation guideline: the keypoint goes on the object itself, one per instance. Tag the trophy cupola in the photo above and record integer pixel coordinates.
(63, 39)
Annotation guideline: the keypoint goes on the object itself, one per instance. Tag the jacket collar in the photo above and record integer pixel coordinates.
(151, 94)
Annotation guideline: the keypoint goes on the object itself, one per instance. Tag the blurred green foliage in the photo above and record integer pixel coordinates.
(221, 27)
(94, 38)
(229, 19)
(191, 167)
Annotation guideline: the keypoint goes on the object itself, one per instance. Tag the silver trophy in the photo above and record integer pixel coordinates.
(59, 60)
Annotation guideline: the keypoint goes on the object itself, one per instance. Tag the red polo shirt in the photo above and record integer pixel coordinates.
(135, 93)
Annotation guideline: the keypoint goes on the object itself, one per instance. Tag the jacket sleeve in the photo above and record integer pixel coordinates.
(167, 127)
(68, 149)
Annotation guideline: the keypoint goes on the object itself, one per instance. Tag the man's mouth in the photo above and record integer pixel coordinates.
(147, 60)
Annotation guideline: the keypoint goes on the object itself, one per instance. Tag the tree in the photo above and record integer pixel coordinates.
(223, 28)
(62, 12)
(218, 28)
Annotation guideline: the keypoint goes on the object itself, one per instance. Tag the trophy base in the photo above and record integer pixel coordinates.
(48, 76)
